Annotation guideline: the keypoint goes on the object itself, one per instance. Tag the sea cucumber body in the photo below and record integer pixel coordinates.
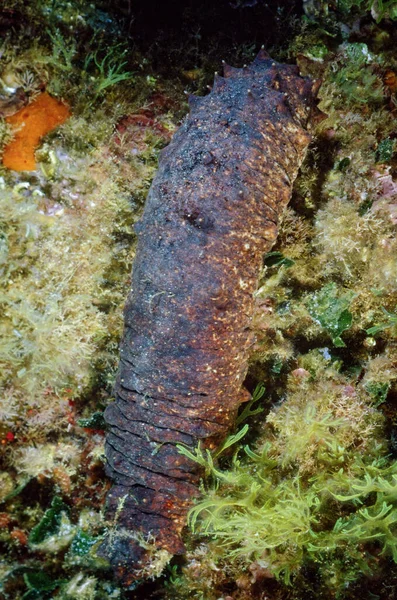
(212, 212)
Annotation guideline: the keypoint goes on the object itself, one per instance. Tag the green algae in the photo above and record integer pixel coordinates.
(95, 421)
(82, 543)
(317, 485)
(39, 585)
(330, 308)
(385, 150)
(50, 523)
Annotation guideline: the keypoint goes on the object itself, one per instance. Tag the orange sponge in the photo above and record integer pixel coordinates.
(31, 123)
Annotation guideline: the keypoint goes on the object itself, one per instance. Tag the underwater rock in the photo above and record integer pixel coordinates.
(212, 212)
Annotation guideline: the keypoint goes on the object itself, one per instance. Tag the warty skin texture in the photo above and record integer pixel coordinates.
(212, 212)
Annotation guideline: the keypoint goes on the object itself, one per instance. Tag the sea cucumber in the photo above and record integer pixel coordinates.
(212, 212)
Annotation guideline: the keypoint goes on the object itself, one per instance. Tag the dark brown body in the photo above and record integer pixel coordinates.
(212, 212)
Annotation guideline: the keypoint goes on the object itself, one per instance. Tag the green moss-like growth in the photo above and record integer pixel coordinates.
(319, 484)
